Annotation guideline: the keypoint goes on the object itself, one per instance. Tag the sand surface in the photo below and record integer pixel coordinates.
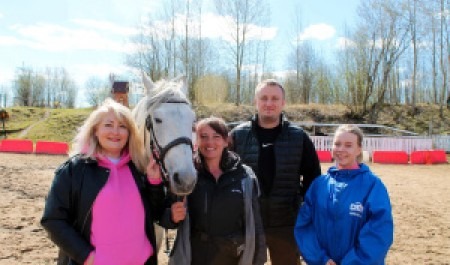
(420, 196)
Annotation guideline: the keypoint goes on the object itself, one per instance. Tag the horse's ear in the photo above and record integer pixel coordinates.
(148, 83)
(183, 79)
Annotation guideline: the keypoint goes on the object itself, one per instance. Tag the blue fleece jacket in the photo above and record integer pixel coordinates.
(347, 217)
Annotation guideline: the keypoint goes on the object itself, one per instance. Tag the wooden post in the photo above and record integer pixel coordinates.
(3, 116)
(4, 131)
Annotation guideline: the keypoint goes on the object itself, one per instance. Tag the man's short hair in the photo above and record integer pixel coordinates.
(269, 82)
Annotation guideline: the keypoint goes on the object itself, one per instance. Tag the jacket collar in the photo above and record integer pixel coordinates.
(283, 119)
(347, 173)
(230, 163)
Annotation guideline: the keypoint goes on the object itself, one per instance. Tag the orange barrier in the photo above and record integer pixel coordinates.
(390, 157)
(324, 156)
(428, 157)
(52, 148)
(16, 146)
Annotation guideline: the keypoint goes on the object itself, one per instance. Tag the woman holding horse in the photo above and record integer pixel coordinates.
(347, 216)
(101, 206)
(223, 215)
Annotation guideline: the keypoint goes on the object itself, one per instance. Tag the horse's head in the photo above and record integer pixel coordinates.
(165, 119)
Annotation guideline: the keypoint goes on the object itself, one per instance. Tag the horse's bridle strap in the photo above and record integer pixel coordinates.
(181, 140)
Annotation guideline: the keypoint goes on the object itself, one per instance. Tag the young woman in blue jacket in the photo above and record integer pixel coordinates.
(347, 216)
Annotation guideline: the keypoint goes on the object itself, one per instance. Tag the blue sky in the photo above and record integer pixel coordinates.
(90, 37)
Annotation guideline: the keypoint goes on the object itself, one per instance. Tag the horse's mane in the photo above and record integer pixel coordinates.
(163, 91)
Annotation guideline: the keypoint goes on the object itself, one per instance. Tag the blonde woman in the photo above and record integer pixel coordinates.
(101, 206)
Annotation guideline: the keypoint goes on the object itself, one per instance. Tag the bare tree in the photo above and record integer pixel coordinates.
(306, 63)
(325, 93)
(66, 89)
(97, 90)
(444, 42)
(413, 30)
(294, 60)
(380, 39)
(243, 15)
(149, 53)
(23, 86)
(173, 44)
(37, 98)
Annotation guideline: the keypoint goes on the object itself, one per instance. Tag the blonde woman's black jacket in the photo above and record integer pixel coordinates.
(69, 203)
(295, 159)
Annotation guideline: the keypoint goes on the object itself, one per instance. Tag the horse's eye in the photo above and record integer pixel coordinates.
(158, 120)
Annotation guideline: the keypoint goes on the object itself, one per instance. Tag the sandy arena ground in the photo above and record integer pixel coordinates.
(420, 196)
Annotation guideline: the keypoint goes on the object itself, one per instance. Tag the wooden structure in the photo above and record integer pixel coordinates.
(119, 92)
(4, 115)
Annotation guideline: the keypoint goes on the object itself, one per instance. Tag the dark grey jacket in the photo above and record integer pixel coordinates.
(296, 166)
(217, 217)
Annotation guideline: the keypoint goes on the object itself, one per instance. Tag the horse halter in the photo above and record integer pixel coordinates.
(155, 147)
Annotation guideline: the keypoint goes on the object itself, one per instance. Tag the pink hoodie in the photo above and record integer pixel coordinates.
(118, 219)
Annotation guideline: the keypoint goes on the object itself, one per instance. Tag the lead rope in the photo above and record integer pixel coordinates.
(168, 249)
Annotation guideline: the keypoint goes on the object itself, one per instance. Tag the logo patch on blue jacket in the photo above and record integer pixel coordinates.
(356, 209)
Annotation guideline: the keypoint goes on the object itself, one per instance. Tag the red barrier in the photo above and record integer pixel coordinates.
(390, 157)
(419, 157)
(324, 156)
(52, 148)
(428, 157)
(438, 157)
(16, 146)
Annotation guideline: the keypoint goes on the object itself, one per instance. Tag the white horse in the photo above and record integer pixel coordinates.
(165, 120)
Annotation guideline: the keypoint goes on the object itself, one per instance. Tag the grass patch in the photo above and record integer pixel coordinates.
(22, 117)
(58, 125)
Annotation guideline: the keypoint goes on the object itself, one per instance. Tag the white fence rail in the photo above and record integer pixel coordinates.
(441, 142)
(370, 144)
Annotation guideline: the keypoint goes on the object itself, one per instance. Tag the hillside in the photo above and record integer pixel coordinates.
(61, 124)
(400, 117)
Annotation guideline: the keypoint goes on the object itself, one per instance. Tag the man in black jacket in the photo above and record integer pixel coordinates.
(285, 161)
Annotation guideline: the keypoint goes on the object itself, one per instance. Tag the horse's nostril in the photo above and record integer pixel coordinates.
(176, 178)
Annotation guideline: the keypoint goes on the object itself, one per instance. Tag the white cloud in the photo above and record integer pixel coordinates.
(214, 22)
(1, 15)
(107, 26)
(6, 75)
(344, 43)
(215, 26)
(317, 32)
(252, 68)
(423, 44)
(53, 37)
(9, 41)
(445, 13)
(284, 73)
(81, 72)
(212, 26)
